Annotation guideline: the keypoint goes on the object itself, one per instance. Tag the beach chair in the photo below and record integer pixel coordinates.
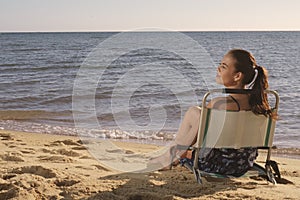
(234, 129)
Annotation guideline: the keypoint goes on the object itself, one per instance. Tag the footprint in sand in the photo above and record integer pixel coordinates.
(27, 151)
(5, 186)
(56, 159)
(86, 157)
(6, 136)
(8, 176)
(8, 143)
(79, 148)
(65, 142)
(14, 157)
(8, 191)
(63, 155)
(45, 150)
(12, 146)
(84, 167)
(66, 152)
(101, 168)
(36, 170)
(65, 183)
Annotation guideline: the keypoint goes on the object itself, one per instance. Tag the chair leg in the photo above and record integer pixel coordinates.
(197, 174)
(270, 174)
(275, 168)
(271, 166)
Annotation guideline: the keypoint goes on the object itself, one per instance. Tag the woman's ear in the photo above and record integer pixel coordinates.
(238, 76)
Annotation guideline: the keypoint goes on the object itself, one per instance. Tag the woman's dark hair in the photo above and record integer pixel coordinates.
(246, 64)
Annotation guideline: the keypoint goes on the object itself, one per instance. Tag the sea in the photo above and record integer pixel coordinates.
(133, 85)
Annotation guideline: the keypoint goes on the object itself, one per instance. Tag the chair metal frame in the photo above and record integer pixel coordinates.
(271, 168)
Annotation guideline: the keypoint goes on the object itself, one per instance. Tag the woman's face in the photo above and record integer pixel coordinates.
(226, 72)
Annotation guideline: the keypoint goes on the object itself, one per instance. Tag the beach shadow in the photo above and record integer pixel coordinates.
(165, 185)
(281, 180)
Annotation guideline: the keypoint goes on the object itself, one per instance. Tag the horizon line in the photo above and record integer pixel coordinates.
(137, 30)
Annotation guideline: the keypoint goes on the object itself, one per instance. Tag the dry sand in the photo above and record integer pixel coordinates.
(40, 166)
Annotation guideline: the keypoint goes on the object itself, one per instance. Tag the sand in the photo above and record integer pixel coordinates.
(41, 166)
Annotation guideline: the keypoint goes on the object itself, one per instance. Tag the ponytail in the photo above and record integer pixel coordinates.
(258, 99)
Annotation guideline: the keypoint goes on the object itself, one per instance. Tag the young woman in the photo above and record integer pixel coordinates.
(237, 70)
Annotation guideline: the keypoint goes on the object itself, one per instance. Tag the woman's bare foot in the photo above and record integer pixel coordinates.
(168, 159)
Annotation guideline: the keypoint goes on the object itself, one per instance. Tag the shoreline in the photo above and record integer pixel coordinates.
(277, 151)
(293, 153)
(46, 166)
(287, 142)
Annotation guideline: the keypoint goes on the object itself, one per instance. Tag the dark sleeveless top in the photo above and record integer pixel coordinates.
(237, 103)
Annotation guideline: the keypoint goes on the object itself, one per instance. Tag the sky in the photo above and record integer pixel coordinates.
(127, 15)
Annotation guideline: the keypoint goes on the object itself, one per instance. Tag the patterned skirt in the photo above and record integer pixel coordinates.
(227, 161)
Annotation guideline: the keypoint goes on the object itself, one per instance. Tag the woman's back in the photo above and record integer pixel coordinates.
(232, 102)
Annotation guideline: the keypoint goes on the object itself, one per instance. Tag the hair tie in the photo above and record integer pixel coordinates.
(250, 85)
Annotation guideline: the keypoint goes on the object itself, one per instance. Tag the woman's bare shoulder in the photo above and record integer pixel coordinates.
(217, 103)
(222, 103)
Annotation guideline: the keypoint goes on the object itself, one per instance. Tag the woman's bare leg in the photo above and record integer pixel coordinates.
(186, 135)
(188, 129)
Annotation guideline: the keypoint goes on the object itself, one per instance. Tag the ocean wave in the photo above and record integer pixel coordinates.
(104, 133)
(27, 49)
(6, 68)
(10, 65)
(7, 103)
(58, 99)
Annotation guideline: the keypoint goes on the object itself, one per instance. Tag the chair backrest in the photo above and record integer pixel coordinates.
(235, 129)
(229, 129)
